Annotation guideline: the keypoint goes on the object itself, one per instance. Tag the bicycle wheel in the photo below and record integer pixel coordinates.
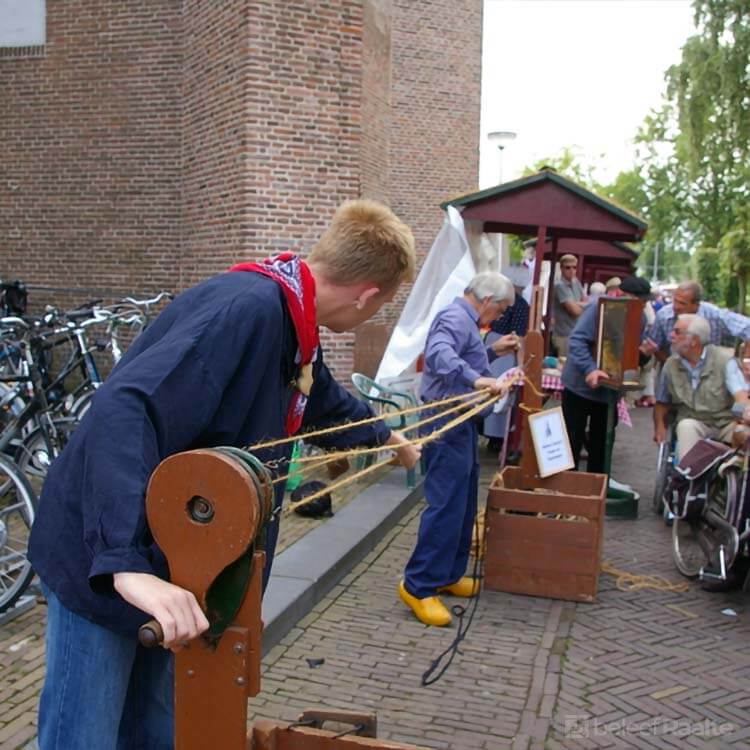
(17, 506)
(82, 404)
(34, 457)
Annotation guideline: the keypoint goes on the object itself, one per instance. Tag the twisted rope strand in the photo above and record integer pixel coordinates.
(368, 420)
(409, 428)
(336, 485)
(320, 461)
(421, 441)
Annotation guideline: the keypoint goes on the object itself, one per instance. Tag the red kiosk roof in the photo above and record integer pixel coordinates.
(546, 199)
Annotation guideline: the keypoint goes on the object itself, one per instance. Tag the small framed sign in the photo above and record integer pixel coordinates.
(551, 443)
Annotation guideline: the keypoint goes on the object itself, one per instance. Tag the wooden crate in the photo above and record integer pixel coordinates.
(530, 550)
(273, 735)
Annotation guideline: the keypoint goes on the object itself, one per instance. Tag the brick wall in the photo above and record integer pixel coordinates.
(154, 143)
(90, 143)
(435, 105)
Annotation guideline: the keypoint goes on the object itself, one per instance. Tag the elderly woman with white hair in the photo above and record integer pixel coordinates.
(696, 380)
(456, 361)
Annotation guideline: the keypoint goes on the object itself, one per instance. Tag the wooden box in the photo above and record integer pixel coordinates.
(545, 538)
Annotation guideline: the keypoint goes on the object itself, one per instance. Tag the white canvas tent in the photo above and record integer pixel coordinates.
(459, 251)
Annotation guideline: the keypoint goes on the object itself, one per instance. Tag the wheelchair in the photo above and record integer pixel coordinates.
(713, 544)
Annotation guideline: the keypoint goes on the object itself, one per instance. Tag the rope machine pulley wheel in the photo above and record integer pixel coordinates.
(208, 510)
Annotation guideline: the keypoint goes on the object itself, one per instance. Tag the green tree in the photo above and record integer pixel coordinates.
(705, 262)
(735, 252)
(663, 253)
(693, 151)
(569, 163)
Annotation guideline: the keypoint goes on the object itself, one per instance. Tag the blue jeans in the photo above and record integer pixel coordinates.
(445, 529)
(102, 689)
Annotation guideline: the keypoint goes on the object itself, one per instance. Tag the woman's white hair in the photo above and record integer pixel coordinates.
(697, 326)
(491, 284)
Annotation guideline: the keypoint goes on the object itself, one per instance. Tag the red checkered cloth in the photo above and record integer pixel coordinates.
(553, 384)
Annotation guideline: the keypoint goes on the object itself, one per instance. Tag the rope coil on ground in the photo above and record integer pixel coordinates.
(634, 582)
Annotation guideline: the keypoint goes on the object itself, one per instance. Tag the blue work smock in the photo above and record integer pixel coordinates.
(217, 367)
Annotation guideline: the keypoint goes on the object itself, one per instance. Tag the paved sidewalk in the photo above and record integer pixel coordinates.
(635, 669)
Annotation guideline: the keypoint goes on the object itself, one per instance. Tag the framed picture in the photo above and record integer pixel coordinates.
(551, 443)
(617, 340)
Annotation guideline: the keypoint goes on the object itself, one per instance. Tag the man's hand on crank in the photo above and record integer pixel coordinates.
(508, 343)
(176, 609)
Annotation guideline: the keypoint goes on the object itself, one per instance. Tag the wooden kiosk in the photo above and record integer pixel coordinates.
(544, 533)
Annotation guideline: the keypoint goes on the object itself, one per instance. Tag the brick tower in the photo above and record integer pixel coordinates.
(148, 144)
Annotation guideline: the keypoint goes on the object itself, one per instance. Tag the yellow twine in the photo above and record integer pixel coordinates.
(421, 441)
(368, 420)
(320, 461)
(336, 485)
(409, 428)
(633, 582)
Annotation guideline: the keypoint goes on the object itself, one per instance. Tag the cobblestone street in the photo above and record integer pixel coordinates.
(641, 668)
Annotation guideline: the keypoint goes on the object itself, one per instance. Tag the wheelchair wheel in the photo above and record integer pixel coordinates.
(723, 496)
(694, 542)
(688, 551)
(723, 493)
(663, 463)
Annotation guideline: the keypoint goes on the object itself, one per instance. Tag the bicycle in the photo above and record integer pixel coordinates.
(17, 509)
(34, 435)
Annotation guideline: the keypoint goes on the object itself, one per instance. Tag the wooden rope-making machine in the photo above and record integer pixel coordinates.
(208, 511)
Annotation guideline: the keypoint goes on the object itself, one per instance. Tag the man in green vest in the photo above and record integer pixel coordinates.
(694, 381)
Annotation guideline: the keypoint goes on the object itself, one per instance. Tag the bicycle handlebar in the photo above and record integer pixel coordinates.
(148, 302)
(13, 321)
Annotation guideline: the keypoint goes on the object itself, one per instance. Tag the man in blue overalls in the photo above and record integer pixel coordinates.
(456, 361)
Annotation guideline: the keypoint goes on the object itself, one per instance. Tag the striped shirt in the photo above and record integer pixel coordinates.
(725, 324)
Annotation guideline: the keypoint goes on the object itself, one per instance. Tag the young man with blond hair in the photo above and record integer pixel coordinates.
(232, 361)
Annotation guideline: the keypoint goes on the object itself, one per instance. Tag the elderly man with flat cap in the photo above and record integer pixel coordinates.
(584, 400)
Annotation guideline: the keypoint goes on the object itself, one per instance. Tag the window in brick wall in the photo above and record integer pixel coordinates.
(23, 28)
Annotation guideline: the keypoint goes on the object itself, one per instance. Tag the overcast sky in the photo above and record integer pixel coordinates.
(574, 73)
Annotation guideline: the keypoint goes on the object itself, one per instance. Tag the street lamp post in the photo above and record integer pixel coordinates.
(501, 138)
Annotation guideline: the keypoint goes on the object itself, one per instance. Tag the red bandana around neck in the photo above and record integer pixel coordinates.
(294, 277)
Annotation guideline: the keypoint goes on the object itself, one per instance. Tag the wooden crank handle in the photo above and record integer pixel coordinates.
(150, 634)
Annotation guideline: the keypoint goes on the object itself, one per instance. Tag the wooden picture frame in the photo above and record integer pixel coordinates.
(618, 336)
(551, 443)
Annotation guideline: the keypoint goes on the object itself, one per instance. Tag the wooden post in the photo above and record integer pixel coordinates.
(541, 238)
(550, 296)
(531, 400)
